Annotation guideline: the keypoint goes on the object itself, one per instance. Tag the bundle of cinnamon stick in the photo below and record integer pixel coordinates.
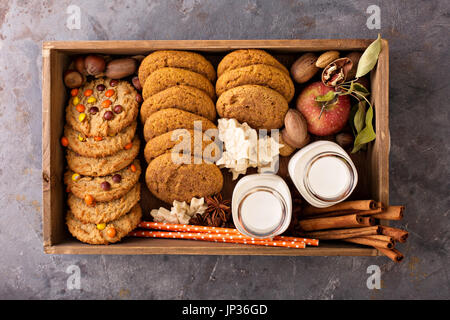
(355, 222)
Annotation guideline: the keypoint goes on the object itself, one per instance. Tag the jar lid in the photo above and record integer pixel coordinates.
(262, 211)
(329, 177)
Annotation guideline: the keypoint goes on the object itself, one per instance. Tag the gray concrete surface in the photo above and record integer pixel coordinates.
(419, 121)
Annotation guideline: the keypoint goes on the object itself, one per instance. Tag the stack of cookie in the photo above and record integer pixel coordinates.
(178, 91)
(103, 175)
(253, 87)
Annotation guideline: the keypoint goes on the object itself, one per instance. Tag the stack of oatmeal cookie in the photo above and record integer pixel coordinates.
(103, 173)
(178, 92)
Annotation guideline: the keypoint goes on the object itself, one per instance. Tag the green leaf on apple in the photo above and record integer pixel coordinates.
(360, 115)
(369, 58)
(367, 134)
(358, 87)
(329, 96)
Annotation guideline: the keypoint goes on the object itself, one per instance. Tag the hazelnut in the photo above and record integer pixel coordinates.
(73, 79)
(136, 83)
(79, 65)
(344, 139)
(94, 65)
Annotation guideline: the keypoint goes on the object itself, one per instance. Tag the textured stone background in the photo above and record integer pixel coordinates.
(419, 121)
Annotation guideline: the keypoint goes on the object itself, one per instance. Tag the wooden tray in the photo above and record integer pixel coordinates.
(373, 165)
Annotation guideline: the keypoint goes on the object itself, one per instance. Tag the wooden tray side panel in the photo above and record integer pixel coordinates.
(145, 46)
(381, 147)
(53, 102)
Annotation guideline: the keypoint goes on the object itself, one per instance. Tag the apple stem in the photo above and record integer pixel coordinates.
(322, 110)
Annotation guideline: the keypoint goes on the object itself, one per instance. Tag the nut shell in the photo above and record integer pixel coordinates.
(344, 139)
(354, 56)
(293, 143)
(336, 72)
(326, 58)
(79, 65)
(94, 65)
(296, 128)
(121, 68)
(304, 68)
(73, 79)
(286, 150)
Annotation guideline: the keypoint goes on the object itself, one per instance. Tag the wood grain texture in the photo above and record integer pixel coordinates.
(373, 166)
(192, 247)
(145, 46)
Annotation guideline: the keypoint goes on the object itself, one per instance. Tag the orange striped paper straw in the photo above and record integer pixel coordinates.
(226, 238)
(217, 230)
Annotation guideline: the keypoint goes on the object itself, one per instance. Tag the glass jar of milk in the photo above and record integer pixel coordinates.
(323, 173)
(261, 205)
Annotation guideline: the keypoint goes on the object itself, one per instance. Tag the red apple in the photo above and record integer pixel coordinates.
(334, 116)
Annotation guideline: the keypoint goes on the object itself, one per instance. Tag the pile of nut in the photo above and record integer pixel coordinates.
(102, 66)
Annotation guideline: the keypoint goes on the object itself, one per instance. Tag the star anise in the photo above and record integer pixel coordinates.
(218, 213)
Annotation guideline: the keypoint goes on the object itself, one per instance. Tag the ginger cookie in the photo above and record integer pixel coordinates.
(104, 233)
(169, 181)
(164, 78)
(176, 59)
(170, 119)
(103, 166)
(182, 141)
(95, 147)
(102, 107)
(247, 57)
(104, 188)
(259, 106)
(258, 74)
(181, 97)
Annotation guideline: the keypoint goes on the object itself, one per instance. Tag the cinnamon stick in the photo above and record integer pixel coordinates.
(391, 213)
(392, 254)
(331, 214)
(397, 234)
(346, 205)
(367, 221)
(370, 242)
(373, 229)
(381, 237)
(343, 233)
(348, 221)
(370, 212)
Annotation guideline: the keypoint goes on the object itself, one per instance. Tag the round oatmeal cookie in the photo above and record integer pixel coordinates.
(247, 57)
(182, 141)
(103, 166)
(106, 233)
(170, 119)
(169, 181)
(165, 78)
(102, 107)
(260, 107)
(118, 183)
(96, 147)
(258, 74)
(181, 97)
(176, 59)
(103, 212)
